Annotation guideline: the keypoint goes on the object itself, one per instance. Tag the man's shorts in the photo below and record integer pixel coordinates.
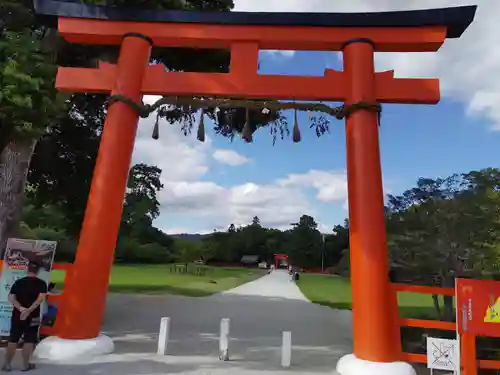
(27, 329)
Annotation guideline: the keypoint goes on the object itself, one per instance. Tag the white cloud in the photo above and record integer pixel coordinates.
(230, 157)
(275, 53)
(331, 186)
(469, 67)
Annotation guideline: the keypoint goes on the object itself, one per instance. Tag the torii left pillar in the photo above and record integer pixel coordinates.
(77, 330)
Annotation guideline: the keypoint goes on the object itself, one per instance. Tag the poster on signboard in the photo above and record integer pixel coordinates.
(442, 354)
(18, 253)
(478, 307)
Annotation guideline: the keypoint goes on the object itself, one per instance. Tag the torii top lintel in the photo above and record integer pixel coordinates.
(160, 24)
(246, 33)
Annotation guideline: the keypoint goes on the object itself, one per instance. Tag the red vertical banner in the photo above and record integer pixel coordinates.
(478, 307)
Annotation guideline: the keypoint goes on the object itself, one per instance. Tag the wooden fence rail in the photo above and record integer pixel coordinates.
(469, 362)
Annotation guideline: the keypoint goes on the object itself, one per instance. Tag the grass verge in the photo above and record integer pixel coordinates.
(335, 292)
(159, 279)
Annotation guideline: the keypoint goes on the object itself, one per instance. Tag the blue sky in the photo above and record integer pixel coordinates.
(279, 183)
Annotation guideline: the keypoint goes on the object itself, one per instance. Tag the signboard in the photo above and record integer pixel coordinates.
(18, 253)
(442, 354)
(478, 307)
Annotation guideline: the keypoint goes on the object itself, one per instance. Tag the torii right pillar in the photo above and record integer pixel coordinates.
(375, 351)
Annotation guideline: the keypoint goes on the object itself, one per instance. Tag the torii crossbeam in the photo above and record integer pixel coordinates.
(357, 35)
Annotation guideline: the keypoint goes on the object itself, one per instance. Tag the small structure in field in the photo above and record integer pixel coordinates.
(249, 260)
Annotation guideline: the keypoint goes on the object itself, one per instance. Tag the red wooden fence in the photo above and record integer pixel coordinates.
(469, 362)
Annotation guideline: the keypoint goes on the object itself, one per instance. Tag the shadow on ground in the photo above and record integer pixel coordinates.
(320, 336)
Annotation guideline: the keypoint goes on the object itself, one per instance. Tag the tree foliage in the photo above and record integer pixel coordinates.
(28, 102)
(449, 226)
(446, 228)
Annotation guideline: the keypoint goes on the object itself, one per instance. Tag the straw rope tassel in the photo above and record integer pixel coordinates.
(156, 129)
(247, 129)
(296, 130)
(201, 127)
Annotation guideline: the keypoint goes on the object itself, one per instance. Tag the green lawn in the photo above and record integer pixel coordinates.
(155, 279)
(336, 292)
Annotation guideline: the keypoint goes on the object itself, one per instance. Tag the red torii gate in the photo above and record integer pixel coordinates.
(357, 35)
(278, 257)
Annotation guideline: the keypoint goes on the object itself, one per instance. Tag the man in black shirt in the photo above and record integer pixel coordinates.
(26, 296)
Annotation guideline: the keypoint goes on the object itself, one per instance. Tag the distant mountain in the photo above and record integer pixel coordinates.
(190, 236)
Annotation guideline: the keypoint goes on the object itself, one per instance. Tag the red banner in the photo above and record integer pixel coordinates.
(478, 307)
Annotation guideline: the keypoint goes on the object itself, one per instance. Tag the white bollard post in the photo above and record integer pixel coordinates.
(224, 340)
(163, 337)
(286, 349)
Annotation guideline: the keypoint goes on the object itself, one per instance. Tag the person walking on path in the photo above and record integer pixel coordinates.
(26, 296)
(294, 273)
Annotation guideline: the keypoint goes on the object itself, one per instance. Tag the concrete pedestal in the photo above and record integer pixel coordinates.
(61, 350)
(350, 365)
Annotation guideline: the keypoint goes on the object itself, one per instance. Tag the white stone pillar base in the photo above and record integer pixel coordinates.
(350, 365)
(55, 349)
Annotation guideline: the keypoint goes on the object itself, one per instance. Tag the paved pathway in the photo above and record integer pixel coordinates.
(277, 284)
(259, 312)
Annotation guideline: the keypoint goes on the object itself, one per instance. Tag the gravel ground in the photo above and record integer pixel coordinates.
(259, 312)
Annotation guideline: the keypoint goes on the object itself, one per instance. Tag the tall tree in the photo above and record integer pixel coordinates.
(256, 221)
(28, 102)
(306, 221)
(337, 245)
(139, 241)
(141, 205)
(306, 243)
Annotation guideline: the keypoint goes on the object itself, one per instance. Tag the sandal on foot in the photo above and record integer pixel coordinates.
(30, 367)
(6, 368)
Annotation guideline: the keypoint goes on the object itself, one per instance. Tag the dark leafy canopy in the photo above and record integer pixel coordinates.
(449, 226)
(28, 103)
(28, 99)
(446, 228)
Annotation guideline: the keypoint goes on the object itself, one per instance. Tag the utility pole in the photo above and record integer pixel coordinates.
(323, 253)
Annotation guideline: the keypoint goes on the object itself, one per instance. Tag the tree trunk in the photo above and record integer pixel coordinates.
(14, 165)
(448, 282)
(437, 307)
